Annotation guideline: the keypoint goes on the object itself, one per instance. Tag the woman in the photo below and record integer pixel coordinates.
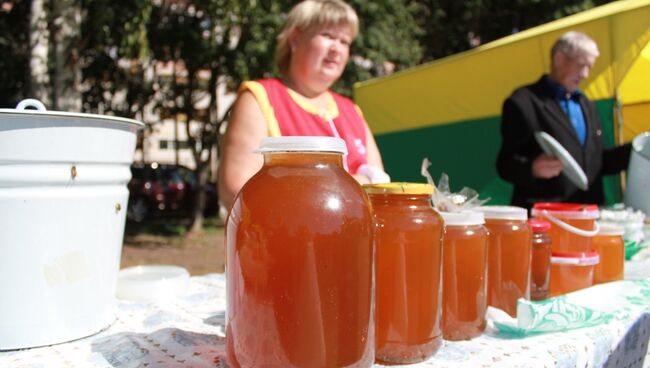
(312, 52)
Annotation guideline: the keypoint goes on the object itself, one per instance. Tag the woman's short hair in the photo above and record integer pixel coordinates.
(573, 44)
(310, 14)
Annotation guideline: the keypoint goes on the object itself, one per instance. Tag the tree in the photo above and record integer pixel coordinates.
(455, 26)
(15, 51)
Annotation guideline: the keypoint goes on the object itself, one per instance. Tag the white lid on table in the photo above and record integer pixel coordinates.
(152, 282)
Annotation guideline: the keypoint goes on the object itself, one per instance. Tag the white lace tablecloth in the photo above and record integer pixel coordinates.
(189, 332)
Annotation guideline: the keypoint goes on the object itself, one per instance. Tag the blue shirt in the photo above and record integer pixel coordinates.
(570, 104)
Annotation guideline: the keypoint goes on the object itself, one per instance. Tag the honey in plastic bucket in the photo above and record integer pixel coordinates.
(572, 271)
(611, 248)
(464, 275)
(408, 234)
(573, 225)
(299, 261)
(509, 255)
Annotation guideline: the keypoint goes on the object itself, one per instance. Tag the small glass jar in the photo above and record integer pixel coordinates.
(464, 275)
(299, 261)
(508, 256)
(611, 248)
(408, 234)
(540, 264)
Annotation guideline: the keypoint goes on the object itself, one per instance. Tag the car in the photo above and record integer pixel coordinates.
(165, 190)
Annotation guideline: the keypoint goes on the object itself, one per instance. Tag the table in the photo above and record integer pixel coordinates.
(189, 332)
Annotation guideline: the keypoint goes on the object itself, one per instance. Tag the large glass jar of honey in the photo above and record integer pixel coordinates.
(609, 245)
(299, 261)
(509, 252)
(464, 275)
(540, 263)
(408, 260)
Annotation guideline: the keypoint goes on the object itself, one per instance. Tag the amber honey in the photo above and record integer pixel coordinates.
(540, 263)
(464, 265)
(299, 265)
(408, 272)
(509, 254)
(611, 248)
(579, 216)
(571, 271)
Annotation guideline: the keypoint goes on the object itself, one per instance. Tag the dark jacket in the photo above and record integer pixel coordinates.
(533, 108)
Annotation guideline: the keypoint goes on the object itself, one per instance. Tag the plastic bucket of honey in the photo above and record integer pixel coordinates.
(571, 271)
(573, 225)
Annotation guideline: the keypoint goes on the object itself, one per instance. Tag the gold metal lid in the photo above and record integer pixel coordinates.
(399, 188)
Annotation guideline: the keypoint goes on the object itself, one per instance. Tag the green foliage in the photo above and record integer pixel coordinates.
(453, 26)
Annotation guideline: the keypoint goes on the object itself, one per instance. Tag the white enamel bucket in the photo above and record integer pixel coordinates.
(63, 200)
(637, 191)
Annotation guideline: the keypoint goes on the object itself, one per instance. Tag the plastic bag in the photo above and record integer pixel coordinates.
(444, 200)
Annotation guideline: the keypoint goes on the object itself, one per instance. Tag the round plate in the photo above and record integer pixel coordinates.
(152, 282)
(570, 169)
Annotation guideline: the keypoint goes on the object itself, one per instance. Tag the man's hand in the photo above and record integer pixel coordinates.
(546, 167)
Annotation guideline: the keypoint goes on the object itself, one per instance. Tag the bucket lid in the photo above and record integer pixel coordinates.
(399, 188)
(567, 210)
(22, 109)
(302, 144)
(575, 258)
(539, 225)
(463, 218)
(503, 212)
(611, 229)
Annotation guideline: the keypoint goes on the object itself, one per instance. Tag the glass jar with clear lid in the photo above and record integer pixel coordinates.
(408, 235)
(464, 275)
(299, 261)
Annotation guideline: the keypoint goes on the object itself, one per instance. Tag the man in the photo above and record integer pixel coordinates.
(555, 105)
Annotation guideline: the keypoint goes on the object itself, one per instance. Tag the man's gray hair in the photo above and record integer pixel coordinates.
(573, 44)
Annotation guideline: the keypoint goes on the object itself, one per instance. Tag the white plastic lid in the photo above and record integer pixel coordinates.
(302, 144)
(504, 212)
(575, 258)
(152, 282)
(611, 229)
(463, 218)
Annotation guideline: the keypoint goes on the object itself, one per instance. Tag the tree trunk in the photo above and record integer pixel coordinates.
(65, 74)
(39, 48)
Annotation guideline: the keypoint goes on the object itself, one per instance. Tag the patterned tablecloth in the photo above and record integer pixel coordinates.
(189, 332)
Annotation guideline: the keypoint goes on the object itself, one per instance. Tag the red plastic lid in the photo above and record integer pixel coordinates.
(566, 210)
(539, 225)
(566, 207)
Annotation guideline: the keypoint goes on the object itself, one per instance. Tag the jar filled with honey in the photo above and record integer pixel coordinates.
(299, 261)
(540, 263)
(464, 275)
(509, 252)
(611, 248)
(408, 260)
(572, 271)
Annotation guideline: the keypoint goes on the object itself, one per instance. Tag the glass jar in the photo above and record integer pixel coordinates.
(299, 261)
(509, 247)
(611, 248)
(464, 275)
(408, 260)
(540, 264)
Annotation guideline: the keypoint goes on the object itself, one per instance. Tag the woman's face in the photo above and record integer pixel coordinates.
(321, 54)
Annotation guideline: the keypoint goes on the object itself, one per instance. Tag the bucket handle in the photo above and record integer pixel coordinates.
(572, 229)
(30, 102)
